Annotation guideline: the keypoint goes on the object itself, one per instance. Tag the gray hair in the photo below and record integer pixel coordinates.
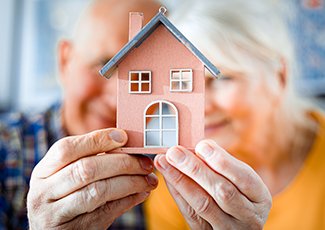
(242, 35)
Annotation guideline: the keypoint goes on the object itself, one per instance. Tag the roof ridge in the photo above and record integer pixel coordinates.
(145, 32)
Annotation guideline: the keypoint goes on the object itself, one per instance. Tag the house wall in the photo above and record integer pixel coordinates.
(159, 53)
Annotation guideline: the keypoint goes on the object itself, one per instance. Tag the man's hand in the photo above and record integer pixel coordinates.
(77, 185)
(213, 189)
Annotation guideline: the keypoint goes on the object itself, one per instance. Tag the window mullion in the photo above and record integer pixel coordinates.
(160, 123)
(180, 80)
(139, 84)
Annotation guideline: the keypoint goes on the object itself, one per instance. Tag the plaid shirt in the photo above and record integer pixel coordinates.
(24, 140)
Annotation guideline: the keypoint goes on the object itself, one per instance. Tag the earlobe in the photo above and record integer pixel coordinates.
(64, 54)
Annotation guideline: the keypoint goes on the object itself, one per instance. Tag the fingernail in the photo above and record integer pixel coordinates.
(152, 179)
(205, 150)
(162, 162)
(117, 135)
(146, 164)
(176, 155)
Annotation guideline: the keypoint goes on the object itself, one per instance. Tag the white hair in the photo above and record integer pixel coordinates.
(242, 35)
(225, 26)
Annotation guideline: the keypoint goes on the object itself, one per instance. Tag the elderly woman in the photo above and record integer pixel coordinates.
(254, 114)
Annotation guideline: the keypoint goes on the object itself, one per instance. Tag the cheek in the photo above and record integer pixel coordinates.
(250, 107)
(232, 99)
(241, 104)
(83, 84)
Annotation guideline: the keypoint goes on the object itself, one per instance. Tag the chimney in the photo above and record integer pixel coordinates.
(135, 23)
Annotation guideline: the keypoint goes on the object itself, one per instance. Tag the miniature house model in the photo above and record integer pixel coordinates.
(161, 86)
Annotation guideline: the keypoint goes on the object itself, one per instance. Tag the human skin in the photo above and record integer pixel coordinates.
(78, 180)
(211, 187)
(89, 200)
(240, 111)
(214, 190)
(89, 99)
(73, 187)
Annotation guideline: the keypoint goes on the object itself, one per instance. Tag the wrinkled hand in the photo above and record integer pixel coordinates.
(213, 189)
(74, 186)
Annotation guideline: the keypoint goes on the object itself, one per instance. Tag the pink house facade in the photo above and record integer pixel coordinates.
(161, 86)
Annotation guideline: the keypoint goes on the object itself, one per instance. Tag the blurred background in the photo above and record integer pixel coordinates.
(30, 29)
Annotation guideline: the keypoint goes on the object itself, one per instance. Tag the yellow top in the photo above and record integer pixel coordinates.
(161, 211)
(300, 206)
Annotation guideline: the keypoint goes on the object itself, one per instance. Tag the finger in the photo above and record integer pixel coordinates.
(94, 168)
(96, 194)
(238, 172)
(201, 202)
(190, 215)
(227, 196)
(73, 148)
(104, 216)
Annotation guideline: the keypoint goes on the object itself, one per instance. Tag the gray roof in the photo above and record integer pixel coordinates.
(160, 18)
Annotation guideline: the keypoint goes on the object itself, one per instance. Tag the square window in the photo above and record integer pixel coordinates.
(145, 77)
(139, 82)
(169, 138)
(181, 80)
(152, 138)
(134, 77)
(187, 85)
(169, 122)
(145, 87)
(134, 87)
(187, 75)
(175, 85)
(152, 123)
(176, 75)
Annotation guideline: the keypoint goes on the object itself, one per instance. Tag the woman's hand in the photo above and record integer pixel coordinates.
(75, 188)
(214, 190)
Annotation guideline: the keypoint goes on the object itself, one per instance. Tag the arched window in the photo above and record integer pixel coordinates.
(160, 125)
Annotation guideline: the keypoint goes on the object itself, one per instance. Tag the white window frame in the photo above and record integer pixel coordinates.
(160, 129)
(139, 82)
(181, 80)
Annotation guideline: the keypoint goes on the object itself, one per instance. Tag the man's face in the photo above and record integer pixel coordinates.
(90, 99)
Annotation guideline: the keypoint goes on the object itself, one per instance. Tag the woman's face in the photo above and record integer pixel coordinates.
(239, 110)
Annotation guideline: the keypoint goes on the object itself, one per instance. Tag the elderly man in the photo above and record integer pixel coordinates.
(71, 187)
